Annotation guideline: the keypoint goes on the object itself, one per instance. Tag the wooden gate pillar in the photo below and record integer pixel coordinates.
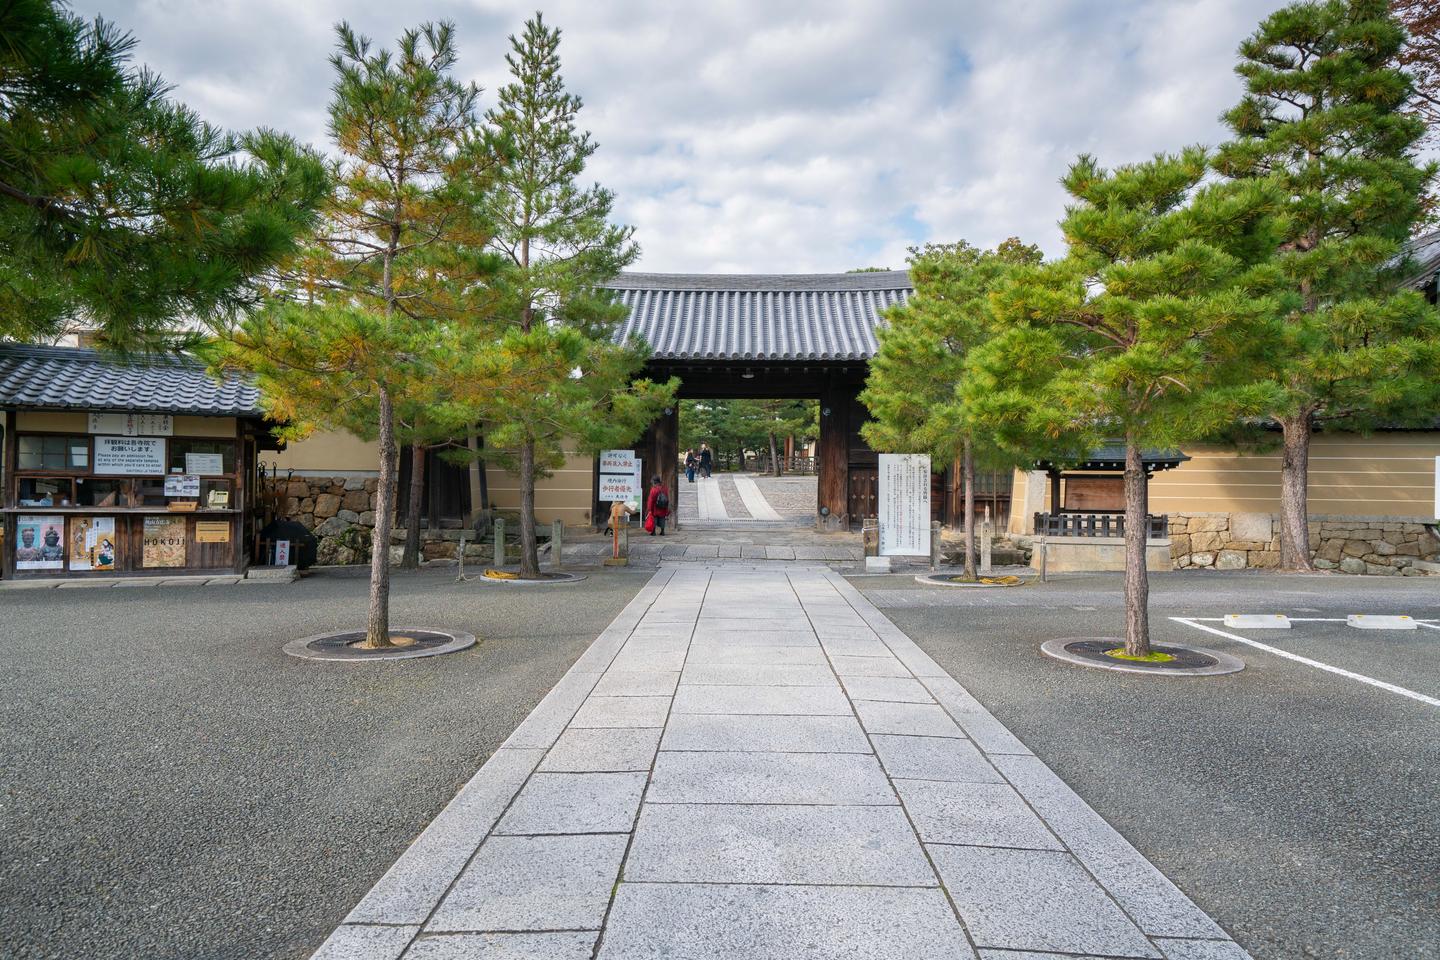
(833, 466)
(666, 434)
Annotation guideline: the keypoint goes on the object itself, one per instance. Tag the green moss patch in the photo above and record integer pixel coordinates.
(1154, 656)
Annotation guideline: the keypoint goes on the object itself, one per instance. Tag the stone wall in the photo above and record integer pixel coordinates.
(340, 511)
(1379, 546)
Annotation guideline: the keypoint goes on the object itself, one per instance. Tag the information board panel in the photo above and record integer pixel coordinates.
(133, 424)
(904, 509)
(619, 476)
(133, 456)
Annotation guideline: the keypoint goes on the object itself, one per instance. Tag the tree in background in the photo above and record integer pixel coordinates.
(364, 339)
(913, 389)
(558, 248)
(1143, 331)
(120, 210)
(1420, 58)
(1324, 117)
(743, 425)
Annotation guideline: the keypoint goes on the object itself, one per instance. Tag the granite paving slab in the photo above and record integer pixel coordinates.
(758, 765)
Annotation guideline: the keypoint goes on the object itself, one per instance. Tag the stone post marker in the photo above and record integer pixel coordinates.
(987, 537)
(499, 541)
(557, 542)
(934, 544)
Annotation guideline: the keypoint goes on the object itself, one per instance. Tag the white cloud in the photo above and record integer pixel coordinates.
(816, 135)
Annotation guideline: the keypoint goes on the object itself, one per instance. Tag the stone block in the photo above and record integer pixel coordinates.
(766, 675)
(890, 689)
(933, 758)
(1179, 544)
(868, 667)
(534, 883)
(622, 712)
(292, 507)
(1208, 541)
(366, 518)
(574, 803)
(1380, 570)
(602, 751)
(1230, 560)
(1332, 550)
(727, 922)
(1202, 559)
(331, 527)
(731, 732)
(1035, 900)
(1321, 564)
(356, 500)
(742, 777)
(578, 945)
(976, 814)
(763, 843)
(297, 488)
(1384, 548)
(755, 698)
(1247, 545)
(363, 941)
(354, 483)
(349, 516)
(307, 505)
(1352, 565)
(1209, 524)
(1251, 526)
(1355, 548)
(327, 505)
(1265, 559)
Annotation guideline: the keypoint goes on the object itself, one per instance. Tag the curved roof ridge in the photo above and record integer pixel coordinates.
(758, 282)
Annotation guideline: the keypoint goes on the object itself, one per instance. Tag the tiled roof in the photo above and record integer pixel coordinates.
(797, 317)
(67, 378)
(1424, 251)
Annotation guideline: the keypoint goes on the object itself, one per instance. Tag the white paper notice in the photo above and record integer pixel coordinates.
(136, 456)
(904, 505)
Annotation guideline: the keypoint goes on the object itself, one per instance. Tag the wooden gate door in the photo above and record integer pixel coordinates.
(864, 493)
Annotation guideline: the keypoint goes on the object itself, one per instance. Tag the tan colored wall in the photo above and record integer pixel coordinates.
(58, 420)
(563, 496)
(1384, 475)
(327, 453)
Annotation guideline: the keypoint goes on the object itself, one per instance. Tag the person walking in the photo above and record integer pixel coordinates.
(657, 507)
(707, 460)
(691, 462)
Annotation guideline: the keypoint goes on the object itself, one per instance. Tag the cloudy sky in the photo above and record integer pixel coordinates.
(777, 135)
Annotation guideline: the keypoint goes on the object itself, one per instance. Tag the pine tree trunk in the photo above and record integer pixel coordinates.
(967, 476)
(410, 559)
(1137, 580)
(774, 458)
(1294, 495)
(529, 552)
(377, 622)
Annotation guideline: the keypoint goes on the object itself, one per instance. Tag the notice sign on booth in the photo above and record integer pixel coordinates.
(904, 509)
(138, 456)
(619, 476)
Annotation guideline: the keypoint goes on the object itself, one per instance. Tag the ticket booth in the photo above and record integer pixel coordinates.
(115, 468)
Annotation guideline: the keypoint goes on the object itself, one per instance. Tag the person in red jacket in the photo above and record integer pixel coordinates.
(657, 507)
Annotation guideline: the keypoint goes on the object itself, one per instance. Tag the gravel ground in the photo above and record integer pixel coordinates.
(790, 496)
(176, 787)
(1297, 807)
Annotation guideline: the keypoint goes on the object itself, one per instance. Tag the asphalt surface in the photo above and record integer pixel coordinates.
(1301, 809)
(176, 787)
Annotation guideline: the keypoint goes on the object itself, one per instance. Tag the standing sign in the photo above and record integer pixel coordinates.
(904, 505)
(619, 476)
(137, 456)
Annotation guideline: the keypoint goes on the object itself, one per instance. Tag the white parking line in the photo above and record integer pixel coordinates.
(1427, 623)
(1392, 688)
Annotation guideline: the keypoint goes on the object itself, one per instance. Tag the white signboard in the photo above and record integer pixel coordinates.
(619, 476)
(205, 464)
(133, 424)
(904, 505)
(182, 485)
(137, 456)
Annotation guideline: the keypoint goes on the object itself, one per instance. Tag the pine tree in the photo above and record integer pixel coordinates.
(558, 248)
(1143, 331)
(913, 390)
(1420, 58)
(371, 335)
(120, 210)
(1323, 116)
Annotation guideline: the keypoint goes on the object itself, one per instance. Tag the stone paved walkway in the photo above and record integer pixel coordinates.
(760, 766)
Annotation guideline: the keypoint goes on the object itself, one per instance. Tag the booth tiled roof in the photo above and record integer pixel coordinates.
(69, 378)
(1424, 254)
(760, 317)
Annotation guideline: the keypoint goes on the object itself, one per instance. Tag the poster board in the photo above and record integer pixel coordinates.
(205, 464)
(92, 543)
(619, 476)
(39, 543)
(133, 424)
(164, 542)
(129, 456)
(182, 485)
(904, 508)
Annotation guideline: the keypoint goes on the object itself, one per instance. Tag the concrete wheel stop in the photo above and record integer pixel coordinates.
(1173, 660)
(411, 643)
(959, 580)
(513, 579)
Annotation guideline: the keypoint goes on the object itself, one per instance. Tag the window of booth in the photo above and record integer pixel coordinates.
(42, 452)
(101, 492)
(46, 491)
(200, 456)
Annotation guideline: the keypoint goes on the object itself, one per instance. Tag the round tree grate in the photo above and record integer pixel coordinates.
(1179, 660)
(410, 643)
